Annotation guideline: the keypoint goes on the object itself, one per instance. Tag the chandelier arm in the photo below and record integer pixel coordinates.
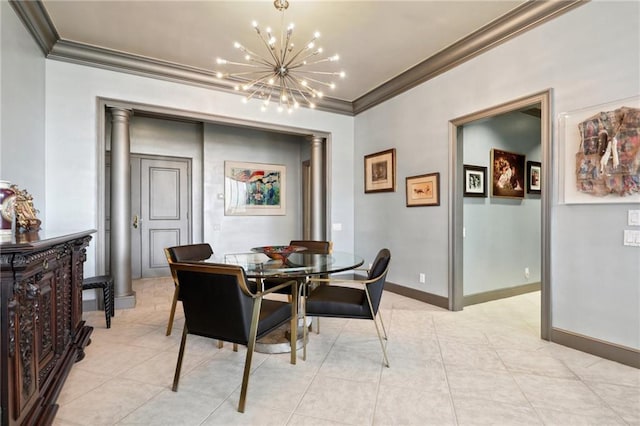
(259, 80)
(242, 64)
(302, 61)
(268, 46)
(302, 91)
(319, 61)
(303, 49)
(319, 82)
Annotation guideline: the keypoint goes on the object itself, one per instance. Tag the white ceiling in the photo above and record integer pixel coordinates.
(376, 40)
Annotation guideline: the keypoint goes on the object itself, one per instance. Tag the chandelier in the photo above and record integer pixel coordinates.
(284, 74)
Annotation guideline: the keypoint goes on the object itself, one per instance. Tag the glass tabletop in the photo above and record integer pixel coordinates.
(258, 265)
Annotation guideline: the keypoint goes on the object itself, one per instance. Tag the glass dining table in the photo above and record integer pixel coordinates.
(299, 265)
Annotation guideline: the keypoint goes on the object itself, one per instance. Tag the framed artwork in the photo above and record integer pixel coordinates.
(254, 189)
(380, 171)
(507, 174)
(601, 152)
(475, 178)
(423, 190)
(534, 177)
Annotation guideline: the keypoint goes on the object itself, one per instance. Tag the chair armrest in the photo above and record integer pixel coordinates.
(337, 280)
(275, 288)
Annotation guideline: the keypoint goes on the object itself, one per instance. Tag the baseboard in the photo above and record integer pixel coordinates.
(412, 293)
(90, 305)
(501, 293)
(593, 346)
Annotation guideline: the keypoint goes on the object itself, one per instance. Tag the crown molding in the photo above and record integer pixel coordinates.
(528, 15)
(34, 16)
(514, 23)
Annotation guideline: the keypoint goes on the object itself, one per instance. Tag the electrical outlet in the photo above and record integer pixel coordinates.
(422, 278)
(526, 272)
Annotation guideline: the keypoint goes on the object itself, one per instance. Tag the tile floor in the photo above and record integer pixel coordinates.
(484, 365)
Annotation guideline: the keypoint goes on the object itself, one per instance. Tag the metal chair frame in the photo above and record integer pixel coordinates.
(255, 319)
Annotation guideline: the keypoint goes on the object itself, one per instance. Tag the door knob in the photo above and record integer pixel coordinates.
(135, 221)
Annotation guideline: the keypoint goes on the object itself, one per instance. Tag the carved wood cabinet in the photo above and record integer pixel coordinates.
(43, 333)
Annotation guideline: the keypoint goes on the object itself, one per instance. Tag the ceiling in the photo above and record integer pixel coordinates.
(382, 44)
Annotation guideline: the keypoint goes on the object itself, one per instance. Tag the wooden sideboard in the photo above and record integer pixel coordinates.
(43, 333)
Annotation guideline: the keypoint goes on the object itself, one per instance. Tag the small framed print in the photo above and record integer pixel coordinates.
(380, 171)
(507, 174)
(423, 190)
(534, 177)
(475, 181)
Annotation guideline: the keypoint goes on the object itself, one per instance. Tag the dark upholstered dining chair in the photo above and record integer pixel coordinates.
(339, 301)
(185, 253)
(218, 304)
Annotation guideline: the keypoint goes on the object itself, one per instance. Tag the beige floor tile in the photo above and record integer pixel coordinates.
(462, 355)
(108, 403)
(339, 400)
(169, 408)
(564, 395)
(498, 386)
(402, 406)
(227, 414)
(624, 400)
(533, 362)
(475, 411)
(563, 418)
(483, 365)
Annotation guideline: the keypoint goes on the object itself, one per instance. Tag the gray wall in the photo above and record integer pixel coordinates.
(502, 235)
(599, 298)
(594, 278)
(233, 234)
(22, 106)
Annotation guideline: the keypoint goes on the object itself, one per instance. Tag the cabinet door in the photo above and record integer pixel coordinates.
(46, 327)
(25, 364)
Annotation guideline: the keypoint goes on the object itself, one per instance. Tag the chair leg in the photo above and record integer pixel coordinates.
(305, 329)
(293, 335)
(183, 342)
(107, 295)
(220, 344)
(173, 310)
(235, 347)
(384, 350)
(257, 303)
(373, 315)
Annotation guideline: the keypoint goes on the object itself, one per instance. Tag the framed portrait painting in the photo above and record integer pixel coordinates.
(475, 181)
(534, 177)
(380, 171)
(423, 190)
(254, 189)
(507, 174)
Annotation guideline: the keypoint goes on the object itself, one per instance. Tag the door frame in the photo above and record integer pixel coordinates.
(166, 112)
(456, 260)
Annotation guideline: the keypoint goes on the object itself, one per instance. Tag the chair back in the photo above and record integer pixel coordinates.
(313, 247)
(189, 252)
(216, 300)
(378, 271)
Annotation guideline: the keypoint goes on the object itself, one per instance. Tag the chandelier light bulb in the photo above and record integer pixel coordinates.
(342, 74)
(275, 69)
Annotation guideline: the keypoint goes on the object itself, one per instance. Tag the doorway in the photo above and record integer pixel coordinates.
(456, 229)
(160, 200)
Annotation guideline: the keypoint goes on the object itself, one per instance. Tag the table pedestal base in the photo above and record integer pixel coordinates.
(277, 342)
